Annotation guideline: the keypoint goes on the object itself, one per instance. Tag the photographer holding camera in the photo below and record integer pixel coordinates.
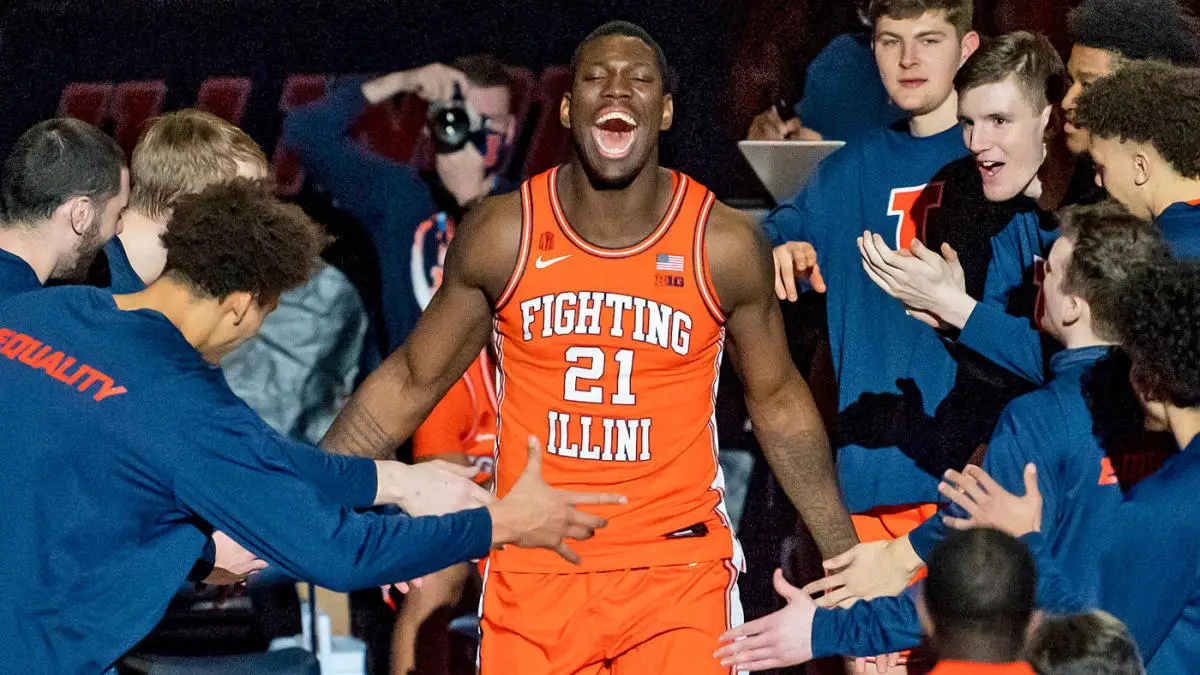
(410, 216)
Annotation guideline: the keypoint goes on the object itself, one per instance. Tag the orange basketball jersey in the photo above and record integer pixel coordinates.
(610, 357)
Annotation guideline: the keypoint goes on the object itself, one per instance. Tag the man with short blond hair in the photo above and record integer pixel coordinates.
(179, 153)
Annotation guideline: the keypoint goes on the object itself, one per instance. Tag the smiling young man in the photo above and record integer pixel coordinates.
(619, 379)
(881, 182)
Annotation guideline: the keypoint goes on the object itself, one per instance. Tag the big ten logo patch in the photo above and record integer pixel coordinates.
(911, 206)
(668, 280)
(546, 241)
(430, 242)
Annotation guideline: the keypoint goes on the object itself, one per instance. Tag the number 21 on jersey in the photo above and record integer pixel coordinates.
(606, 439)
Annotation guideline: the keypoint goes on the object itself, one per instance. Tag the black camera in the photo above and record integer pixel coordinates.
(450, 123)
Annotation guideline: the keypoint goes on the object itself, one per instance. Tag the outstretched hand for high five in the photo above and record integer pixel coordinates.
(535, 515)
(777, 640)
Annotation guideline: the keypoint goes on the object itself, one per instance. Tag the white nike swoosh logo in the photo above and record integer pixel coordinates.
(543, 264)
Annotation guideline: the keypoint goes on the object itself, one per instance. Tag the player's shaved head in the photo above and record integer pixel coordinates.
(627, 29)
(980, 591)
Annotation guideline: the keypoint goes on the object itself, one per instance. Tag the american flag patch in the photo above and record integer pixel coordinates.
(668, 263)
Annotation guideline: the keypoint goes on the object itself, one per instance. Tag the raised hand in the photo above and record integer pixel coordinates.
(932, 287)
(990, 505)
(535, 515)
(795, 259)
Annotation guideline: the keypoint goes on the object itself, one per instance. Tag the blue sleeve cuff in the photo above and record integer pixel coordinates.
(362, 481)
(879, 626)
(481, 532)
(927, 535)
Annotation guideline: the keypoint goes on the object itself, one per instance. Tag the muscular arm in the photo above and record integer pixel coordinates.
(785, 418)
(394, 400)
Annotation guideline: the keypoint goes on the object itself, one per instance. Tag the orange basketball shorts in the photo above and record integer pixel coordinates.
(662, 620)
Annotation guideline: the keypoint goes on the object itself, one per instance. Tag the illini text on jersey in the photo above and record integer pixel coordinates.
(627, 317)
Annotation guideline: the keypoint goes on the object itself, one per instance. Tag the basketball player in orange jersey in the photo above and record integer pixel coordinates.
(609, 286)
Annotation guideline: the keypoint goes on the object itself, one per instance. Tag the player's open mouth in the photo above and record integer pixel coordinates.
(614, 133)
(989, 170)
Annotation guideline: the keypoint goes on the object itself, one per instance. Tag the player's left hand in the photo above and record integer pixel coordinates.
(867, 571)
(777, 640)
(990, 505)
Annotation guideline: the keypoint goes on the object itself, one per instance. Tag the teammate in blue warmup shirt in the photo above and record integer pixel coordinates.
(879, 182)
(1084, 431)
(1149, 554)
(63, 187)
(173, 454)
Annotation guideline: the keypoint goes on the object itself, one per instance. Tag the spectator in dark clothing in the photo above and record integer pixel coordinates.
(843, 94)
(409, 216)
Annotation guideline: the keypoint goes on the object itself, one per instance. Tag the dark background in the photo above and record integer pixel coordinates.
(734, 57)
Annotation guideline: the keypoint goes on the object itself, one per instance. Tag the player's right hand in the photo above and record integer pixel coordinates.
(795, 259)
(535, 515)
(434, 82)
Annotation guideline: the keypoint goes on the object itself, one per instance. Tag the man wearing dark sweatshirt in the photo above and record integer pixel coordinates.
(97, 543)
(408, 215)
(62, 190)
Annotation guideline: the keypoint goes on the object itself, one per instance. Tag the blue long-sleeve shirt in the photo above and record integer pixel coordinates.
(997, 332)
(96, 542)
(844, 96)
(1000, 328)
(892, 371)
(1084, 433)
(1150, 559)
(16, 276)
(389, 199)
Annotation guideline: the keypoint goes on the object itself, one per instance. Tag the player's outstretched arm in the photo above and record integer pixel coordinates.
(455, 326)
(785, 418)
